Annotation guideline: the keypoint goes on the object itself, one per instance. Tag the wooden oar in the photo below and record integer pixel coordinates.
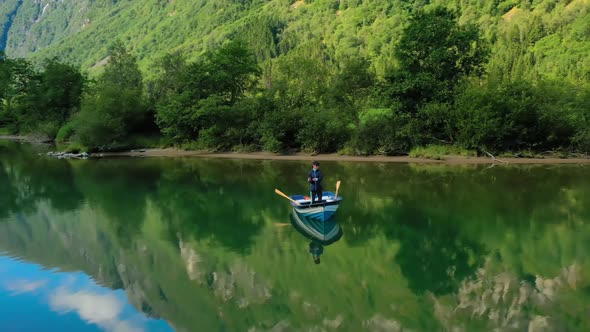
(337, 187)
(287, 197)
(281, 224)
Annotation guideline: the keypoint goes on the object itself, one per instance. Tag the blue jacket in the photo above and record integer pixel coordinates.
(315, 186)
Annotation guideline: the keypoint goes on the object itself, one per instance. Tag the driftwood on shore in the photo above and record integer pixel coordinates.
(494, 158)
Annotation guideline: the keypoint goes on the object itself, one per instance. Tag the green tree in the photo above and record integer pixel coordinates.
(434, 54)
(114, 107)
(19, 80)
(4, 74)
(581, 118)
(58, 96)
(205, 91)
(169, 70)
(350, 87)
(515, 115)
(232, 70)
(121, 70)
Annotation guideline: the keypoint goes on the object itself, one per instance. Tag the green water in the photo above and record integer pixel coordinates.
(206, 245)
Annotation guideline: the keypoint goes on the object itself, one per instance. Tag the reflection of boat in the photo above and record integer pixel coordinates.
(320, 211)
(326, 232)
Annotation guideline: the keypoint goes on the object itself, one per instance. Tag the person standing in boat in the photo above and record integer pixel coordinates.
(315, 177)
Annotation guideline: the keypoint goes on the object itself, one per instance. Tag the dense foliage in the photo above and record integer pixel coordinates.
(360, 77)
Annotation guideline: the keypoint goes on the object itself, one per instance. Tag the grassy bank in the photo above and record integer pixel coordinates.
(130, 143)
(160, 146)
(440, 152)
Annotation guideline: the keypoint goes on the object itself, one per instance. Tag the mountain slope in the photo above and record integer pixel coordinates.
(550, 38)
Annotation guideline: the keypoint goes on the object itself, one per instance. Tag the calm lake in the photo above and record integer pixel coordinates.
(189, 244)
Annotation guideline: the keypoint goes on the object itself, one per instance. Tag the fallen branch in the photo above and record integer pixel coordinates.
(494, 158)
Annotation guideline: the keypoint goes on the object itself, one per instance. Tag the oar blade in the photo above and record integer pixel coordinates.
(280, 193)
(337, 188)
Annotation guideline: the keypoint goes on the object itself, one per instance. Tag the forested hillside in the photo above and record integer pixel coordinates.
(535, 37)
(360, 77)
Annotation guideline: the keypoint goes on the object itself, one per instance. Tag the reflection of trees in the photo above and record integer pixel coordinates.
(471, 195)
(433, 257)
(9, 200)
(26, 179)
(440, 214)
(422, 229)
(119, 188)
(219, 199)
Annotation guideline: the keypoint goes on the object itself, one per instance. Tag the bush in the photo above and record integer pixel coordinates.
(108, 116)
(227, 126)
(74, 147)
(512, 116)
(439, 152)
(8, 122)
(383, 131)
(322, 131)
(581, 140)
(65, 132)
(48, 129)
(435, 122)
(272, 144)
(279, 129)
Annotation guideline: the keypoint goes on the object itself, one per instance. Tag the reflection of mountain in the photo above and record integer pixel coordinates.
(195, 245)
(502, 301)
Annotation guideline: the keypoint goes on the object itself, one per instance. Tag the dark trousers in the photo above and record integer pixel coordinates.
(316, 196)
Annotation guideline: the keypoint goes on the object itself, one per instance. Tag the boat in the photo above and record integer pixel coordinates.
(325, 232)
(321, 211)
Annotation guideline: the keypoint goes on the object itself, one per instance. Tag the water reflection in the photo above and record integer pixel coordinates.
(72, 302)
(434, 256)
(22, 186)
(194, 242)
(316, 249)
(321, 233)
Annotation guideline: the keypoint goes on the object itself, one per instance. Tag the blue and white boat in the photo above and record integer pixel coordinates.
(321, 211)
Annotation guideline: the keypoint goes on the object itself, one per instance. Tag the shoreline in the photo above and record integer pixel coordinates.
(28, 139)
(451, 160)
